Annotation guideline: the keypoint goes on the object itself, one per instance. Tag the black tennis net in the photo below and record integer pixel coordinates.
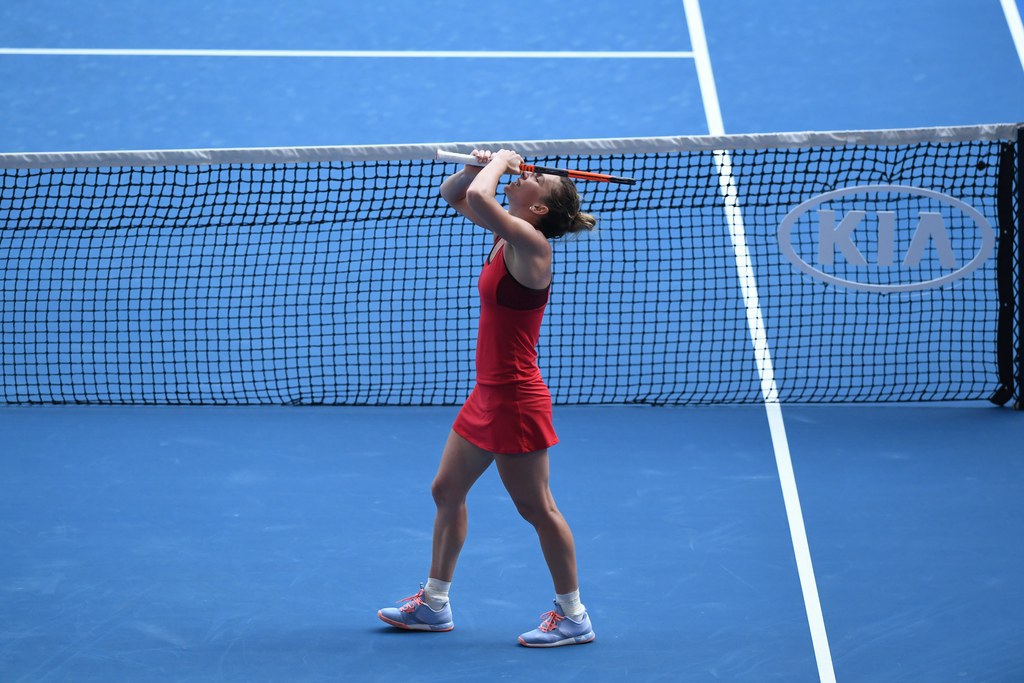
(854, 266)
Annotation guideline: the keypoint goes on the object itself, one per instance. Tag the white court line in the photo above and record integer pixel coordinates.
(1016, 28)
(759, 337)
(347, 54)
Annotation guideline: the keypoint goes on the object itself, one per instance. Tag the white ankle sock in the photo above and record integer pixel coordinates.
(570, 604)
(435, 593)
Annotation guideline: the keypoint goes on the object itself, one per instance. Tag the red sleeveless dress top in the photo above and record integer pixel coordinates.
(509, 411)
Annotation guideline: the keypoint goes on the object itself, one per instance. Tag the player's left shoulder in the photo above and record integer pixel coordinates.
(529, 264)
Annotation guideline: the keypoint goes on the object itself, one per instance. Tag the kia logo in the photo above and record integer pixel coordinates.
(849, 236)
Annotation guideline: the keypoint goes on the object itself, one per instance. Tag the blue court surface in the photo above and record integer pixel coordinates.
(239, 543)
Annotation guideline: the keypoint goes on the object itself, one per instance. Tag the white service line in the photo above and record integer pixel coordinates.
(346, 54)
(1016, 28)
(759, 338)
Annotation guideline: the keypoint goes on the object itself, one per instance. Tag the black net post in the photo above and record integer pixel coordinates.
(1019, 405)
(1006, 280)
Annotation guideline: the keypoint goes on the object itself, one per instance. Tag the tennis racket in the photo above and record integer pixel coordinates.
(470, 160)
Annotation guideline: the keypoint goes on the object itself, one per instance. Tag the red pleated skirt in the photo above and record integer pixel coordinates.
(508, 419)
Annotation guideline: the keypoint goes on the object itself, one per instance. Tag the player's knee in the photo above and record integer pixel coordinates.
(446, 494)
(537, 512)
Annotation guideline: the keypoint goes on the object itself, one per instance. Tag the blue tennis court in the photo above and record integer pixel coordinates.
(240, 543)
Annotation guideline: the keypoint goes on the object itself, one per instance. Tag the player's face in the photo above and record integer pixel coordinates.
(528, 189)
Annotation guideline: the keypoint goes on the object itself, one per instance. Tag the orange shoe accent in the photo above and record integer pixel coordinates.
(412, 602)
(552, 618)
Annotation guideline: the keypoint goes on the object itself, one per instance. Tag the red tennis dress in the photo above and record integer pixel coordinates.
(509, 410)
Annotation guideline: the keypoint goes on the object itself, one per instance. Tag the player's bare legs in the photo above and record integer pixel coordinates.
(462, 463)
(526, 480)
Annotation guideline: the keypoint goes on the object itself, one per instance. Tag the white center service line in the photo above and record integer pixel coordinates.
(345, 54)
(1016, 28)
(759, 337)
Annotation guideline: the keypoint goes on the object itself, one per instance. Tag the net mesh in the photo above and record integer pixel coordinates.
(352, 282)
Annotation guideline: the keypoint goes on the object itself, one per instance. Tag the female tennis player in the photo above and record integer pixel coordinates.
(507, 418)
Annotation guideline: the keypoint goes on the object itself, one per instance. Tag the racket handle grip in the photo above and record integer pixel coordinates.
(456, 158)
(470, 160)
